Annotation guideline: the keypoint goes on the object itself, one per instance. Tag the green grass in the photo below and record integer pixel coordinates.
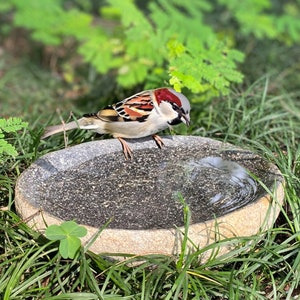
(264, 266)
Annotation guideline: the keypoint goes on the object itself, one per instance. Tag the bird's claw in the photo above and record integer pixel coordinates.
(158, 140)
(126, 149)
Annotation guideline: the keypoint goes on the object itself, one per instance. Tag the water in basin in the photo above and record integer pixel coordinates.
(144, 194)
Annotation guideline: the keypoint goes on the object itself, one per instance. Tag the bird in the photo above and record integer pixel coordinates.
(140, 115)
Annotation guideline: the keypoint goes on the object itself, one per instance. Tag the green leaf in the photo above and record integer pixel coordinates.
(71, 228)
(7, 126)
(7, 148)
(68, 247)
(78, 296)
(132, 72)
(99, 51)
(55, 233)
(175, 48)
(68, 234)
(12, 124)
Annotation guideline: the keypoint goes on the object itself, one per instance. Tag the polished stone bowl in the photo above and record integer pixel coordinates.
(226, 188)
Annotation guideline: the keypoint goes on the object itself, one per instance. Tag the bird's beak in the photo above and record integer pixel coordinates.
(186, 120)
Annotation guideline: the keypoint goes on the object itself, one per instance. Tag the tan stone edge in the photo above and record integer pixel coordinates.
(246, 221)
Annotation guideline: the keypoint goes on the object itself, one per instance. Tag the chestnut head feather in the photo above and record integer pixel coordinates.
(179, 104)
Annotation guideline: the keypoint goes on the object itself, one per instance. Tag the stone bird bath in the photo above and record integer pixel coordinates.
(92, 183)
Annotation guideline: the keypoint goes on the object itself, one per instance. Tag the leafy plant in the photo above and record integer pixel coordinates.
(170, 40)
(264, 21)
(68, 234)
(8, 126)
(171, 43)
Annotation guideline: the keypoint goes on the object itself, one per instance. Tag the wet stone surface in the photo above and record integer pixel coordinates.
(145, 193)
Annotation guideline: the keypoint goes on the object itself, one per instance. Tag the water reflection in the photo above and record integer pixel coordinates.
(225, 184)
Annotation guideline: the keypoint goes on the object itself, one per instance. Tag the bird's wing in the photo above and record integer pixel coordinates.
(135, 108)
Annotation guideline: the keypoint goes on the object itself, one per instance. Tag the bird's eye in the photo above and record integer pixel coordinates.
(175, 107)
(178, 109)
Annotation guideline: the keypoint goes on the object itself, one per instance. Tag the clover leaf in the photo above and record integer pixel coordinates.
(68, 233)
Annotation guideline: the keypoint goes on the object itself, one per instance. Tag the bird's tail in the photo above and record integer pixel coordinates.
(59, 128)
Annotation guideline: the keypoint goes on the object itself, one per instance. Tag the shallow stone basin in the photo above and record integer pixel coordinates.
(92, 183)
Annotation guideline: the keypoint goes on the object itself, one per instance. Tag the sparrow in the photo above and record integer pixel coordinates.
(143, 114)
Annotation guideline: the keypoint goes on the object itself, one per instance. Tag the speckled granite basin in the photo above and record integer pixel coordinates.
(92, 183)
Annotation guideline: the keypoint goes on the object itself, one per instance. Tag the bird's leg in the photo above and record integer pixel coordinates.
(126, 149)
(158, 140)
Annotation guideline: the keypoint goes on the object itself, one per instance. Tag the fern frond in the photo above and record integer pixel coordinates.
(6, 148)
(7, 126)
(12, 124)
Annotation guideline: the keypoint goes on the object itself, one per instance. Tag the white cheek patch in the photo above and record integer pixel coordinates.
(166, 110)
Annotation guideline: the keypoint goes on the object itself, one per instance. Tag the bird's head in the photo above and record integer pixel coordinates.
(173, 106)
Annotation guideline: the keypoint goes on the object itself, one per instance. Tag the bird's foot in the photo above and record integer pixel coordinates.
(158, 140)
(126, 149)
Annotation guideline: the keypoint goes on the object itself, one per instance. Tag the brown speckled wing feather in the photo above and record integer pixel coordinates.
(135, 108)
